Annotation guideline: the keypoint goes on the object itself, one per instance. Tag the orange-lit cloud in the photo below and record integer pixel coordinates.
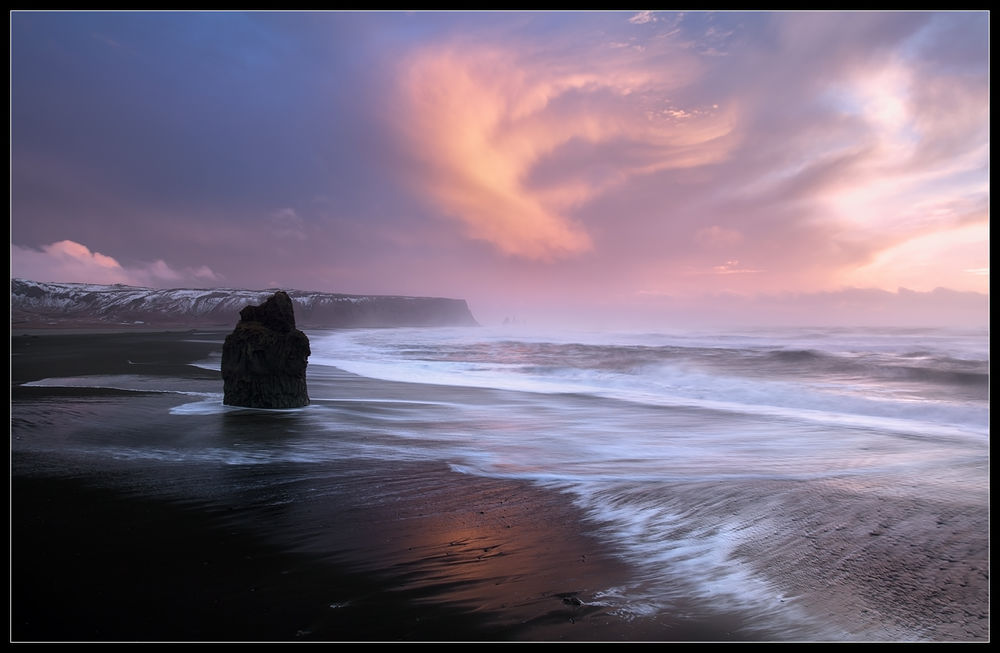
(483, 121)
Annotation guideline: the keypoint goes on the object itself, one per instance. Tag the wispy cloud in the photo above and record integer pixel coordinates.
(286, 224)
(642, 18)
(732, 267)
(512, 138)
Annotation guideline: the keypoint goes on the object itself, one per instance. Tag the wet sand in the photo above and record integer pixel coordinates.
(449, 558)
(894, 566)
(445, 557)
(95, 564)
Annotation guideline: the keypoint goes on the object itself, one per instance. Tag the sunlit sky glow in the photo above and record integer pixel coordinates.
(651, 167)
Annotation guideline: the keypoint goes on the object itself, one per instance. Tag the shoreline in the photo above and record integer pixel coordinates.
(36, 356)
(107, 331)
(114, 557)
(110, 555)
(142, 569)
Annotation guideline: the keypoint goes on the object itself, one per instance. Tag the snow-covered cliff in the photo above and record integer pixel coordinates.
(39, 304)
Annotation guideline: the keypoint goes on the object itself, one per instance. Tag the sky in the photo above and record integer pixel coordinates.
(588, 168)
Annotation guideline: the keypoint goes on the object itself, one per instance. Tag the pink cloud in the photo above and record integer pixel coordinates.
(65, 261)
(483, 120)
(71, 262)
(732, 267)
(861, 175)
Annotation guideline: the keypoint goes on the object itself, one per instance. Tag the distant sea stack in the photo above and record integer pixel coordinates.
(264, 359)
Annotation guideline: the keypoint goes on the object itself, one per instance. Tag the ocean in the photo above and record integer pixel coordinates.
(800, 478)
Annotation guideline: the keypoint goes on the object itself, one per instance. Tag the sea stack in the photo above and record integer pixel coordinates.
(264, 359)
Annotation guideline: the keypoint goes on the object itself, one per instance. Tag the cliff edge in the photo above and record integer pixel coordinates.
(36, 304)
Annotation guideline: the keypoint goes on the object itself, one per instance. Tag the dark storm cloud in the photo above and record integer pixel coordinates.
(203, 113)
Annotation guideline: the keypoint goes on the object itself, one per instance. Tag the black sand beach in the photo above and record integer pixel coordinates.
(400, 551)
(95, 564)
(113, 557)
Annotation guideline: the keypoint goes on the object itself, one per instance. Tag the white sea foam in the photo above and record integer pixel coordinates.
(214, 364)
(210, 406)
(676, 532)
(855, 402)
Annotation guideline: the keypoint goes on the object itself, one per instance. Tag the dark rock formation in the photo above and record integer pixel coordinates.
(264, 359)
